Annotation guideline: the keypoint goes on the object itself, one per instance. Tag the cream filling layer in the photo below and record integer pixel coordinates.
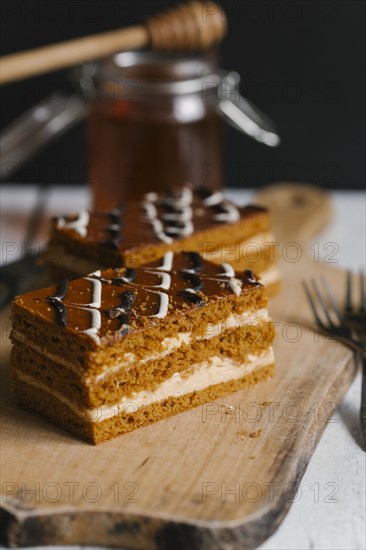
(217, 370)
(169, 345)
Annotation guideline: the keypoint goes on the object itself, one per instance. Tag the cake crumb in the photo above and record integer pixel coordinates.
(241, 434)
(257, 433)
(252, 457)
(266, 403)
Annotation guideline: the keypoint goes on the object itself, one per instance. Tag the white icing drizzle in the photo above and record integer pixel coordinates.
(167, 263)
(79, 225)
(166, 279)
(163, 305)
(191, 290)
(114, 227)
(229, 278)
(95, 322)
(151, 197)
(184, 231)
(159, 231)
(215, 198)
(235, 286)
(230, 216)
(150, 210)
(96, 292)
(162, 230)
(228, 270)
(185, 198)
(178, 224)
(91, 307)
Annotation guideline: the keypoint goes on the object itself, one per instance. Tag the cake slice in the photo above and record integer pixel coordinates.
(121, 348)
(141, 232)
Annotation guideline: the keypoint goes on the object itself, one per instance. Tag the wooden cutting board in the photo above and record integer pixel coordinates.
(220, 476)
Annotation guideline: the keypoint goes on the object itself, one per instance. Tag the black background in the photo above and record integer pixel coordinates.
(301, 61)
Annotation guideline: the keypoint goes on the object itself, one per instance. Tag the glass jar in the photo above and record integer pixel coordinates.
(154, 122)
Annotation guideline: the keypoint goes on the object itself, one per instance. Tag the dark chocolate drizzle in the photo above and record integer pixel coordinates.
(191, 297)
(196, 260)
(114, 230)
(192, 276)
(129, 277)
(170, 197)
(127, 300)
(56, 303)
(121, 312)
(62, 289)
(130, 274)
(194, 279)
(251, 278)
(171, 229)
(171, 209)
(219, 208)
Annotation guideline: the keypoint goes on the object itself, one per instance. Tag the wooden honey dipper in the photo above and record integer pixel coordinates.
(190, 26)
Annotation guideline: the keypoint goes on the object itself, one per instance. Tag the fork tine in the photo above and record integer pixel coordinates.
(322, 302)
(362, 292)
(312, 304)
(332, 301)
(348, 301)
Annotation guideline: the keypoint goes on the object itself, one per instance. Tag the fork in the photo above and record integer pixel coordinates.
(356, 316)
(337, 324)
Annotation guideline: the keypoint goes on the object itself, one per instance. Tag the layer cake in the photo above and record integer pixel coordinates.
(140, 232)
(124, 347)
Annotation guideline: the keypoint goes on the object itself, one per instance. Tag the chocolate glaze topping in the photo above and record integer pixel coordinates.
(109, 303)
(157, 219)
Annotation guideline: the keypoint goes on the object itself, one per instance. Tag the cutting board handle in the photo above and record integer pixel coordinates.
(299, 211)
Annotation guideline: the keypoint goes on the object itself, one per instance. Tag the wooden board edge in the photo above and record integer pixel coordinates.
(22, 526)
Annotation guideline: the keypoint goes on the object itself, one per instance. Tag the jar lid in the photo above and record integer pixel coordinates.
(149, 66)
(159, 73)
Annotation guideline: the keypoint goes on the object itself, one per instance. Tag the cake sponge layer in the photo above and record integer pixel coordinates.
(105, 388)
(39, 400)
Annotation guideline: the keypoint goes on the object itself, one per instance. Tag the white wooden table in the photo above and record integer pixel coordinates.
(329, 512)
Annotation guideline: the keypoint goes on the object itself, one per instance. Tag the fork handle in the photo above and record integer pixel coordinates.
(363, 403)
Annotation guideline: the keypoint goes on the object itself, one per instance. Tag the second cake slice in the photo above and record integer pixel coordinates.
(181, 219)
